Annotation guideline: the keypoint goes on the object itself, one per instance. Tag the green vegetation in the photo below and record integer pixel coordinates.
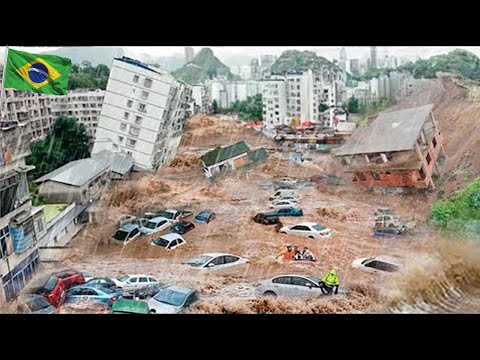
(353, 105)
(366, 109)
(458, 62)
(322, 107)
(203, 66)
(88, 77)
(249, 109)
(67, 141)
(462, 212)
(299, 61)
(214, 106)
(52, 210)
(33, 190)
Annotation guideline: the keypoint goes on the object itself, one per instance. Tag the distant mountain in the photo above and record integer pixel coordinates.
(299, 61)
(95, 55)
(203, 66)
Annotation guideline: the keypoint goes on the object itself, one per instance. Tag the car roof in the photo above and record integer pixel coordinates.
(128, 227)
(204, 211)
(158, 219)
(138, 275)
(172, 236)
(181, 289)
(184, 223)
(301, 275)
(307, 223)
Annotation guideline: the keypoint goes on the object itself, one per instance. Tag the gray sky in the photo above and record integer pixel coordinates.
(329, 52)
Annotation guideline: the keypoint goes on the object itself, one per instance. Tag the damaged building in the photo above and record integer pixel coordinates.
(398, 149)
(230, 158)
(21, 225)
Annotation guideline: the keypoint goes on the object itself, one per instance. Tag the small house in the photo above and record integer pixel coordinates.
(223, 159)
(121, 165)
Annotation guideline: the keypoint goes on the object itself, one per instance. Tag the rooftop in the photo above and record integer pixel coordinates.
(220, 154)
(118, 162)
(138, 63)
(75, 173)
(391, 131)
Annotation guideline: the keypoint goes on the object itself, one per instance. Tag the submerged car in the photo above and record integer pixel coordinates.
(103, 281)
(266, 219)
(172, 299)
(69, 278)
(183, 227)
(126, 306)
(144, 293)
(290, 211)
(127, 233)
(216, 261)
(169, 241)
(280, 204)
(290, 285)
(53, 291)
(155, 225)
(204, 217)
(307, 229)
(101, 294)
(37, 304)
(381, 263)
(134, 282)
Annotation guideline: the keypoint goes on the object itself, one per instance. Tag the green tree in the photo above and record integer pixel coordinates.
(88, 77)
(67, 141)
(353, 105)
(322, 107)
(249, 109)
(214, 106)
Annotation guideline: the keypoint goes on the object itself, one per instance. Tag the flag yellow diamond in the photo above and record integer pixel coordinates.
(52, 73)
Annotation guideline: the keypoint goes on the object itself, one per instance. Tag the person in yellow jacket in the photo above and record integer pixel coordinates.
(329, 282)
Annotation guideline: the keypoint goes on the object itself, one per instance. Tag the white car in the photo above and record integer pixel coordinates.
(381, 263)
(286, 181)
(155, 225)
(172, 299)
(169, 241)
(216, 261)
(290, 285)
(307, 229)
(280, 204)
(134, 282)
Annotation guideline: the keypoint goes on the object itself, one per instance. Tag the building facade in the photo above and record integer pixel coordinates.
(20, 224)
(144, 112)
(274, 103)
(31, 108)
(84, 105)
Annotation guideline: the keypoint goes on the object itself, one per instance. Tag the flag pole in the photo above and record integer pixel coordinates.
(2, 96)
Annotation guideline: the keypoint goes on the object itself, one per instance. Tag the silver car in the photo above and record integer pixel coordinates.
(290, 285)
(172, 299)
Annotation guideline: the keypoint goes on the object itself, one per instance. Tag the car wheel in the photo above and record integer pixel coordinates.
(311, 237)
(270, 293)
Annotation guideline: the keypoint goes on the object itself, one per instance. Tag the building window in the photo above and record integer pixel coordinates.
(4, 242)
(375, 176)
(129, 153)
(125, 115)
(138, 120)
(142, 108)
(434, 142)
(131, 142)
(147, 83)
(135, 78)
(134, 130)
(144, 95)
(422, 174)
(120, 139)
(123, 126)
(429, 159)
(40, 226)
(129, 103)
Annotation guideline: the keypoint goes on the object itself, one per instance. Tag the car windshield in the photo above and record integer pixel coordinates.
(106, 290)
(123, 278)
(313, 279)
(150, 225)
(167, 215)
(51, 283)
(199, 260)
(203, 216)
(37, 303)
(179, 227)
(161, 242)
(170, 297)
(120, 235)
(319, 227)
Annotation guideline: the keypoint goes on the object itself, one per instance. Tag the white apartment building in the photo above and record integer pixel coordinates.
(84, 105)
(237, 91)
(143, 114)
(21, 225)
(31, 108)
(274, 103)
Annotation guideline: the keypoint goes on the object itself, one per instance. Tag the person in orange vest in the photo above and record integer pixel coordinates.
(287, 254)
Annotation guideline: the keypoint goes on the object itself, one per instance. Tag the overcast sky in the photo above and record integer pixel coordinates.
(329, 52)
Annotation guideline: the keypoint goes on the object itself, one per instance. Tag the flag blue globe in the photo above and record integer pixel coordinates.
(38, 73)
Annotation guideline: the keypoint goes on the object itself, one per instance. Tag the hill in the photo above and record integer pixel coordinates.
(299, 61)
(203, 66)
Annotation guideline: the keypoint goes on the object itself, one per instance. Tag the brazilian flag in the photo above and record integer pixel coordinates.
(46, 74)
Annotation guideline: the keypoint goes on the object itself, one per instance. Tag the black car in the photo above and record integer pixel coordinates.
(106, 282)
(183, 227)
(266, 219)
